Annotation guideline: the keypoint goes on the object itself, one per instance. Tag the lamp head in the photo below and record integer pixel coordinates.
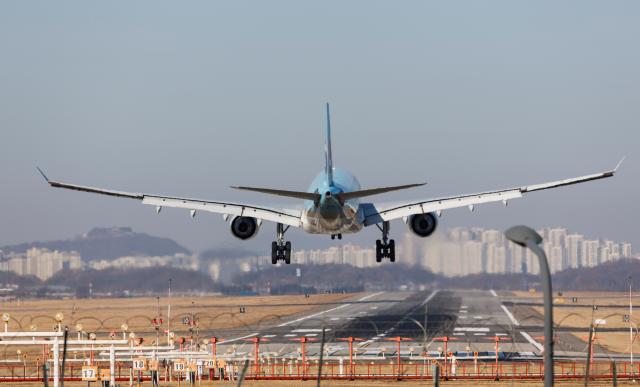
(520, 235)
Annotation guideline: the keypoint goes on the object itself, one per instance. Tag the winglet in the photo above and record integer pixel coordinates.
(43, 175)
(619, 164)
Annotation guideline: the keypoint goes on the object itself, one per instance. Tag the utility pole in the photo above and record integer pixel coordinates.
(169, 314)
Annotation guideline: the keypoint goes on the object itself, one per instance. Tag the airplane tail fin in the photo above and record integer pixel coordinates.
(328, 160)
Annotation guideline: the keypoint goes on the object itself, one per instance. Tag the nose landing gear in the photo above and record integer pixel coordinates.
(280, 250)
(385, 248)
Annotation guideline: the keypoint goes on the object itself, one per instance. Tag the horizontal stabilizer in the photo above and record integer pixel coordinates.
(280, 192)
(374, 191)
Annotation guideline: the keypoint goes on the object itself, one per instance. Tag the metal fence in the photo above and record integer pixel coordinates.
(342, 370)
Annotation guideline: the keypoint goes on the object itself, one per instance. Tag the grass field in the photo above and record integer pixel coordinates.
(106, 315)
(612, 307)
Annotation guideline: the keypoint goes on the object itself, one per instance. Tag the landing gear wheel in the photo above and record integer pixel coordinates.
(392, 250)
(385, 248)
(280, 250)
(287, 253)
(274, 253)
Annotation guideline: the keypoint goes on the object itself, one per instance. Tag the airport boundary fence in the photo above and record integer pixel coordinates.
(341, 370)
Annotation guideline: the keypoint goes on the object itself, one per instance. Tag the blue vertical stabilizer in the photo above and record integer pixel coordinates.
(328, 160)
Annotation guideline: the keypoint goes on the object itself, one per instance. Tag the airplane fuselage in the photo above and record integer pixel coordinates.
(328, 215)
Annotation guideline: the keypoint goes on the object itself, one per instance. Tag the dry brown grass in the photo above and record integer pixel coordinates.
(107, 314)
(582, 317)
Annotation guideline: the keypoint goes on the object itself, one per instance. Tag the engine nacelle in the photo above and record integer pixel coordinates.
(423, 225)
(244, 227)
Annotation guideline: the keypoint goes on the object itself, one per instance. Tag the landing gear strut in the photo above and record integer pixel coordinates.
(385, 248)
(280, 250)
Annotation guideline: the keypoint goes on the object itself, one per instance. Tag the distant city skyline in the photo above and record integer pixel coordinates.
(461, 251)
(454, 252)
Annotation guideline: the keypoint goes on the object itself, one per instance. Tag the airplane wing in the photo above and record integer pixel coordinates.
(372, 214)
(288, 217)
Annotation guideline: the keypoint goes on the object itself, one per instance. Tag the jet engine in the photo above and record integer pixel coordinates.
(244, 227)
(423, 225)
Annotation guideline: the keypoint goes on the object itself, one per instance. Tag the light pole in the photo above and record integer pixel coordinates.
(631, 330)
(527, 237)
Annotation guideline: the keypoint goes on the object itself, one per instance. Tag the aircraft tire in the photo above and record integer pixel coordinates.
(287, 253)
(392, 250)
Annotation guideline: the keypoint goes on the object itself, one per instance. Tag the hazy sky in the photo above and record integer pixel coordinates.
(188, 98)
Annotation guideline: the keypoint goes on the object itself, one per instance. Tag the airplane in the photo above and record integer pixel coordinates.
(332, 206)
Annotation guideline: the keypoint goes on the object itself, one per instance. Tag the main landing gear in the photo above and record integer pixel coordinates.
(385, 248)
(280, 250)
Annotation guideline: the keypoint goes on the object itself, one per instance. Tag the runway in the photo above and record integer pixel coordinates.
(469, 319)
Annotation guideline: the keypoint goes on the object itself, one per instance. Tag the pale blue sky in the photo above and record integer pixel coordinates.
(188, 98)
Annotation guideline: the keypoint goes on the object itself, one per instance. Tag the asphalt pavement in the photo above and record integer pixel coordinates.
(469, 320)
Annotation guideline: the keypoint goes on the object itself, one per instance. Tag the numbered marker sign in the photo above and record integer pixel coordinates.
(140, 364)
(208, 364)
(89, 373)
(180, 366)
